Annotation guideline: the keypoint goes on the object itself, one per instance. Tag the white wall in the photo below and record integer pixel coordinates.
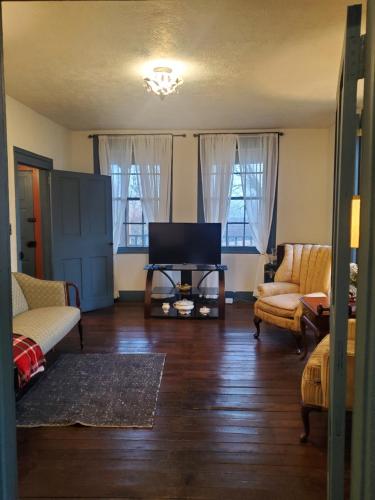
(304, 197)
(29, 130)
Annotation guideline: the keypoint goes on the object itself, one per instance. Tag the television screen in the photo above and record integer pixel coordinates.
(184, 243)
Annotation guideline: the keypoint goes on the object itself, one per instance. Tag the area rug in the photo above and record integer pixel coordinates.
(103, 390)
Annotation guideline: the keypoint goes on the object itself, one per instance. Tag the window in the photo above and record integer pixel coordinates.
(236, 236)
(141, 170)
(237, 233)
(135, 233)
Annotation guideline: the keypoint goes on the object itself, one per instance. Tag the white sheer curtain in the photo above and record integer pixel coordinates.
(217, 159)
(153, 157)
(115, 159)
(258, 157)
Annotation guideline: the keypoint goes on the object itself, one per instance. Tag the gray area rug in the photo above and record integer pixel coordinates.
(103, 390)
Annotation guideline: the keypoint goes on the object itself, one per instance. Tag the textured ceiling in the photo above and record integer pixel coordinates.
(248, 63)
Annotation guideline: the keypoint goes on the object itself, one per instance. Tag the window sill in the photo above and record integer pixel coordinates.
(239, 250)
(132, 250)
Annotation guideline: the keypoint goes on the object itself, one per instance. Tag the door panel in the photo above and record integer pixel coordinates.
(82, 235)
(27, 221)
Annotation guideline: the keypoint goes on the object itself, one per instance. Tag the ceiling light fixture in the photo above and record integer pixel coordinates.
(163, 81)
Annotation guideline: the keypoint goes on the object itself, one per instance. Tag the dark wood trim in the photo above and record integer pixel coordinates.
(8, 457)
(24, 157)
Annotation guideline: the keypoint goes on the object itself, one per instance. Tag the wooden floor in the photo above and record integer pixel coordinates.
(227, 423)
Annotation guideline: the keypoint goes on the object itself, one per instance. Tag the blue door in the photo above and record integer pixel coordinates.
(82, 247)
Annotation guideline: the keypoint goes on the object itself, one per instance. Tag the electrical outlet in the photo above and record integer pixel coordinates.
(229, 300)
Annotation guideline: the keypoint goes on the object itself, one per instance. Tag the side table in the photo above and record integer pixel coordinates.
(316, 312)
(317, 320)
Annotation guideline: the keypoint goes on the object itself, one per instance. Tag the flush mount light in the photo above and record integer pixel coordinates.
(162, 80)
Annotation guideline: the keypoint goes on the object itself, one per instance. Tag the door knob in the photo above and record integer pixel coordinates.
(31, 244)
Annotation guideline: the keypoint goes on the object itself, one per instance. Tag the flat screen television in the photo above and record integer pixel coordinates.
(184, 243)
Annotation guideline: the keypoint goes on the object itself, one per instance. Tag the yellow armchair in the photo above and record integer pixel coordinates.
(315, 378)
(305, 270)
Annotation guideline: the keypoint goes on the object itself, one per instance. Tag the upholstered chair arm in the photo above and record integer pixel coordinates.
(325, 379)
(277, 288)
(42, 293)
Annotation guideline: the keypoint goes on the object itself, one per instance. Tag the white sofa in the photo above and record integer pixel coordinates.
(41, 310)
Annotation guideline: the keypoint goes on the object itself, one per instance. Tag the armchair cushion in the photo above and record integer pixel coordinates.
(46, 325)
(41, 293)
(283, 305)
(276, 288)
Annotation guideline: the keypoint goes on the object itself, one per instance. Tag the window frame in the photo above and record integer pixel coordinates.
(238, 249)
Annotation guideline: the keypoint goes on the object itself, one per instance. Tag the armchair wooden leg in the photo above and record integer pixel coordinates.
(257, 322)
(305, 414)
(299, 343)
(80, 330)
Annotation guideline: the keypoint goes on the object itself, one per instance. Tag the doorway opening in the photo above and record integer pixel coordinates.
(30, 217)
(33, 213)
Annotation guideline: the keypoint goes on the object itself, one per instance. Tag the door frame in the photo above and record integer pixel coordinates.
(8, 454)
(42, 163)
(363, 436)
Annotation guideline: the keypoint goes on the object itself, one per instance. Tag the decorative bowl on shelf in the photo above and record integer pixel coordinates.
(184, 306)
(166, 306)
(204, 310)
(183, 287)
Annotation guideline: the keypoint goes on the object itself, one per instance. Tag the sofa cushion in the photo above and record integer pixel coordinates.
(42, 293)
(19, 303)
(46, 325)
(280, 305)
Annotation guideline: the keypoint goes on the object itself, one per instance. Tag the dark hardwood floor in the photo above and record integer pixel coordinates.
(227, 424)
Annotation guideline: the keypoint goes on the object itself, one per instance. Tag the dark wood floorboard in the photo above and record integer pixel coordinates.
(227, 424)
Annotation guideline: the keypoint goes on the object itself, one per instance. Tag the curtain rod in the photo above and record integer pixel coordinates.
(110, 135)
(237, 133)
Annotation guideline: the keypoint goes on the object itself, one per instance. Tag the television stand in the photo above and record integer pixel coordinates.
(198, 294)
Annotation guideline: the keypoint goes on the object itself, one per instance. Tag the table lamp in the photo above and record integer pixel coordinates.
(354, 230)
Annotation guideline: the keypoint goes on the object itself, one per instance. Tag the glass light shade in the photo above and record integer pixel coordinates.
(162, 81)
(354, 230)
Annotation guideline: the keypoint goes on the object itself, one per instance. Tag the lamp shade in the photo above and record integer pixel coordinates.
(354, 230)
